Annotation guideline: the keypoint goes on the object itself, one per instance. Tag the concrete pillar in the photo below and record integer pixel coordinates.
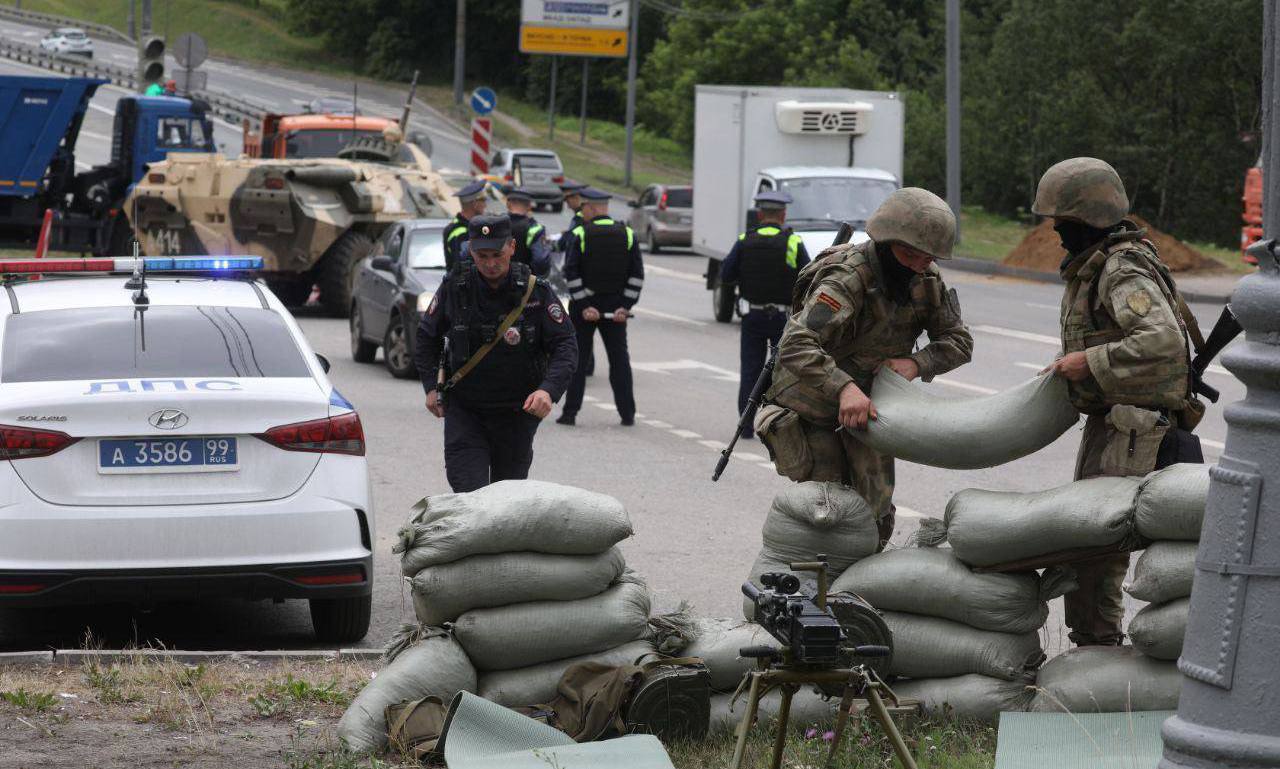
(1229, 710)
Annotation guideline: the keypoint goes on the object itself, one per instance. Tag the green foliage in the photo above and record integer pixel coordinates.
(106, 681)
(36, 701)
(280, 696)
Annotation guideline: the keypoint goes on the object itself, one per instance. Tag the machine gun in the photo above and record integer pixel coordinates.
(816, 649)
(1226, 329)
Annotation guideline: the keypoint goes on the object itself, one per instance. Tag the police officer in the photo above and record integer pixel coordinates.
(605, 274)
(530, 236)
(764, 264)
(573, 199)
(511, 354)
(1124, 355)
(863, 308)
(472, 200)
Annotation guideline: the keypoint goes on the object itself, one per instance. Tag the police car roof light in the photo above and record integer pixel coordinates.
(204, 264)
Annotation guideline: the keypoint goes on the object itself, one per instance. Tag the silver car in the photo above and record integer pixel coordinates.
(68, 40)
(663, 216)
(538, 171)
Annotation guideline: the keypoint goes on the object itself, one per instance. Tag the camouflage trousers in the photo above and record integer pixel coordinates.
(839, 457)
(1095, 611)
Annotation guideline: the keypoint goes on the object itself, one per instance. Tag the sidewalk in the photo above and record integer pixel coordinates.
(1210, 287)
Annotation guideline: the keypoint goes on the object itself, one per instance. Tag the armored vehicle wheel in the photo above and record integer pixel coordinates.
(362, 351)
(336, 272)
(292, 293)
(722, 300)
(341, 620)
(395, 349)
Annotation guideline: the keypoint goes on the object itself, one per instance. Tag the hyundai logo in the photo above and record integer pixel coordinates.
(168, 419)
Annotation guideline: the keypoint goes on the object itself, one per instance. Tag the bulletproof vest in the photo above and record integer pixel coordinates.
(520, 226)
(606, 256)
(516, 364)
(1086, 323)
(764, 275)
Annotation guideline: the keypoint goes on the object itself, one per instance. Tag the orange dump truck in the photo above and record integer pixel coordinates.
(308, 135)
(1251, 232)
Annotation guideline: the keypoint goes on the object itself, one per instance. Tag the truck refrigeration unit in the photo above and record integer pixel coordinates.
(836, 151)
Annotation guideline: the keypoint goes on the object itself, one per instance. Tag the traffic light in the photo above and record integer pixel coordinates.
(150, 61)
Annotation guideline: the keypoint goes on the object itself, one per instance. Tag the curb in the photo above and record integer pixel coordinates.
(984, 267)
(81, 656)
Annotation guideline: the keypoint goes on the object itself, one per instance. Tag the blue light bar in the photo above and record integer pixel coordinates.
(201, 264)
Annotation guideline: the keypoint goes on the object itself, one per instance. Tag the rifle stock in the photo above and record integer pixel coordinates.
(1226, 329)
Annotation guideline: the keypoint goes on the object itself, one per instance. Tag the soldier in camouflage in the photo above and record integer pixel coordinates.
(1124, 355)
(857, 308)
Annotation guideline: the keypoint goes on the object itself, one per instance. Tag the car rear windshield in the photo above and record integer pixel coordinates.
(538, 161)
(680, 197)
(127, 343)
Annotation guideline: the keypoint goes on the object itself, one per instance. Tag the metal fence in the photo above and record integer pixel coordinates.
(49, 20)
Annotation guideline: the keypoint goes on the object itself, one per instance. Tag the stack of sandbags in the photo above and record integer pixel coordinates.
(969, 641)
(1170, 512)
(528, 577)
(1106, 679)
(809, 518)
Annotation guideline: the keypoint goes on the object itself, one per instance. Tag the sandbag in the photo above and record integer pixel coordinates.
(933, 582)
(524, 634)
(919, 425)
(507, 517)
(436, 665)
(929, 647)
(814, 517)
(441, 593)
(970, 697)
(536, 685)
(1171, 502)
(986, 528)
(1164, 572)
(717, 643)
(807, 708)
(1106, 679)
(1157, 630)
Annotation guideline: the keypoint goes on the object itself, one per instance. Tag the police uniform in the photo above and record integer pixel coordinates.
(569, 188)
(764, 264)
(488, 437)
(456, 233)
(530, 236)
(1121, 310)
(603, 269)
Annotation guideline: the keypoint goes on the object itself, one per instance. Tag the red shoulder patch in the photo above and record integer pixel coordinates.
(829, 301)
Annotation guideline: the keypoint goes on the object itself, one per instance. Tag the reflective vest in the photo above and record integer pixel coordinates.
(605, 247)
(767, 265)
(526, 232)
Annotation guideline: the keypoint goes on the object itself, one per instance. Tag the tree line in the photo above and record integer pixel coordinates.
(1168, 91)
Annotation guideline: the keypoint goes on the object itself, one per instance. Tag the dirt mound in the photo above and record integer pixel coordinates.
(1041, 250)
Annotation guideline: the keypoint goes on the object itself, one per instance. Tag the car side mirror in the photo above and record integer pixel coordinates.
(324, 362)
(383, 263)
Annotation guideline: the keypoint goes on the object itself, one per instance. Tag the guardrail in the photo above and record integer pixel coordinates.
(230, 108)
(49, 20)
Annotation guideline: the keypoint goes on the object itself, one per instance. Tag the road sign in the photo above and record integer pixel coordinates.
(596, 14)
(190, 50)
(573, 41)
(188, 80)
(484, 100)
(481, 139)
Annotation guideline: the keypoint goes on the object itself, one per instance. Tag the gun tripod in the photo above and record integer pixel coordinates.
(857, 681)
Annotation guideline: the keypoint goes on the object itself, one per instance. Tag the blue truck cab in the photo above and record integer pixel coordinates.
(40, 120)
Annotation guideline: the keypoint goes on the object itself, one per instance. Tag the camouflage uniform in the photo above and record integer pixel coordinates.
(842, 328)
(1120, 309)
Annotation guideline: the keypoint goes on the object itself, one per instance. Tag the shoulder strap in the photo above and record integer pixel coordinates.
(507, 322)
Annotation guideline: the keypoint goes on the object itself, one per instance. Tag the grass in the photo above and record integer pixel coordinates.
(33, 701)
(988, 236)
(1230, 258)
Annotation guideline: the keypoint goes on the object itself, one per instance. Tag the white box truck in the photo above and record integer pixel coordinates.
(836, 151)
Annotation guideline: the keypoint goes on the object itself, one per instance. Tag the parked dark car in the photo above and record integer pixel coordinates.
(393, 287)
(663, 216)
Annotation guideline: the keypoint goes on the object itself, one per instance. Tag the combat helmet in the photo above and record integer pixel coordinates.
(917, 218)
(1085, 190)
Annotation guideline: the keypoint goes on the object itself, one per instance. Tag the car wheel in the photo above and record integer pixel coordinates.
(653, 242)
(341, 620)
(395, 349)
(362, 350)
(722, 300)
(337, 271)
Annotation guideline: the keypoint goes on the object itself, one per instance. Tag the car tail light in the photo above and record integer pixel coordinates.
(340, 578)
(662, 201)
(332, 435)
(19, 589)
(557, 179)
(22, 443)
(508, 177)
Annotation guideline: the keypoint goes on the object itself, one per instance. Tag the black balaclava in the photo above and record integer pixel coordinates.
(897, 276)
(1077, 236)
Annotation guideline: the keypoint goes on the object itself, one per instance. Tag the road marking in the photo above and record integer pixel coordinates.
(658, 423)
(1214, 368)
(685, 364)
(604, 406)
(94, 135)
(1036, 367)
(102, 109)
(1026, 336)
(712, 444)
(667, 272)
(83, 166)
(750, 457)
(690, 434)
(667, 316)
(1213, 444)
(1043, 305)
(965, 386)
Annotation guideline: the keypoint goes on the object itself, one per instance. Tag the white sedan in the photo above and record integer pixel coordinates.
(175, 442)
(68, 40)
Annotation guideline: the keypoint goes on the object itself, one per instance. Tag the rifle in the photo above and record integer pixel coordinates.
(1226, 329)
(749, 413)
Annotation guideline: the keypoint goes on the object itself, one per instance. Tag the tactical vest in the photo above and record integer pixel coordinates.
(524, 230)
(516, 365)
(767, 265)
(455, 235)
(881, 330)
(1086, 323)
(606, 255)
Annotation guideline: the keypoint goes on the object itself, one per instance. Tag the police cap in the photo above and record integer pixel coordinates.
(592, 193)
(472, 191)
(517, 193)
(772, 200)
(488, 232)
(571, 187)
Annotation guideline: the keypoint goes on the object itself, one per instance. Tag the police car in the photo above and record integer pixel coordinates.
(168, 434)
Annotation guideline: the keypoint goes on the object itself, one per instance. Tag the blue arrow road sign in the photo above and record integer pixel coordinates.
(483, 100)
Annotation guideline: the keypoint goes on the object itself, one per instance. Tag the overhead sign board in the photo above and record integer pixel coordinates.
(575, 27)
(573, 41)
